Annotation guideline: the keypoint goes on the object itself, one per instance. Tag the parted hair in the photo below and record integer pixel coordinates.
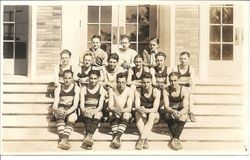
(96, 72)
(146, 75)
(96, 36)
(65, 51)
(155, 39)
(125, 36)
(161, 54)
(68, 71)
(113, 56)
(177, 74)
(121, 75)
(185, 53)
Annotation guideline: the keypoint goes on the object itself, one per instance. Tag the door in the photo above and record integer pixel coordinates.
(224, 40)
(139, 22)
(15, 40)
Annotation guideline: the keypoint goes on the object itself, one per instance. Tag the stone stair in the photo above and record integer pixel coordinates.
(27, 129)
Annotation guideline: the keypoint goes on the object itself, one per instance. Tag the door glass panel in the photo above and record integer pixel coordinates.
(215, 34)
(106, 32)
(93, 14)
(131, 30)
(21, 32)
(227, 15)
(227, 33)
(141, 47)
(21, 48)
(143, 33)
(214, 51)
(8, 49)
(106, 14)
(143, 14)
(131, 14)
(227, 52)
(92, 30)
(8, 31)
(21, 14)
(215, 15)
(9, 13)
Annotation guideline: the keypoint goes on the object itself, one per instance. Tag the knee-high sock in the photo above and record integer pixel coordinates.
(171, 126)
(114, 125)
(179, 129)
(68, 129)
(88, 124)
(60, 125)
(94, 126)
(122, 127)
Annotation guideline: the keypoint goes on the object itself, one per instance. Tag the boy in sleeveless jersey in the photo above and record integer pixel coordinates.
(120, 104)
(187, 78)
(92, 100)
(64, 106)
(176, 106)
(147, 102)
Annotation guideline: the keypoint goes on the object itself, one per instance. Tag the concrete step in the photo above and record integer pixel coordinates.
(44, 109)
(233, 90)
(22, 121)
(127, 148)
(42, 134)
(25, 88)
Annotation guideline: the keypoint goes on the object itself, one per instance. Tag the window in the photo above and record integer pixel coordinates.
(221, 32)
(15, 27)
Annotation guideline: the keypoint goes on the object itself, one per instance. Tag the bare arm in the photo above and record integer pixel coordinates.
(166, 101)
(56, 98)
(76, 101)
(129, 102)
(129, 79)
(185, 94)
(101, 100)
(192, 78)
(56, 75)
(152, 72)
(82, 100)
(111, 100)
(157, 95)
(137, 100)
(145, 59)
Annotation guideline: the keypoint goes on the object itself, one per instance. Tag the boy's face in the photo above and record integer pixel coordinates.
(121, 83)
(138, 62)
(68, 79)
(153, 45)
(93, 79)
(174, 81)
(96, 43)
(184, 59)
(65, 58)
(125, 43)
(146, 83)
(112, 64)
(160, 60)
(87, 61)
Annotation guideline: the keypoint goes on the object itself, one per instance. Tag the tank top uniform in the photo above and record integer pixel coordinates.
(66, 98)
(60, 74)
(134, 77)
(161, 76)
(147, 102)
(184, 78)
(120, 99)
(175, 102)
(83, 74)
(92, 99)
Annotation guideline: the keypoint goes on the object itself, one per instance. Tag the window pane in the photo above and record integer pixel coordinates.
(143, 34)
(214, 52)
(106, 14)
(106, 32)
(21, 49)
(22, 14)
(143, 14)
(22, 32)
(8, 50)
(131, 31)
(141, 47)
(227, 52)
(93, 14)
(92, 30)
(227, 15)
(8, 14)
(131, 14)
(133, 46)
(227, 35)
(106, 47)
(8, 32)
(215, 15)
(214, 33)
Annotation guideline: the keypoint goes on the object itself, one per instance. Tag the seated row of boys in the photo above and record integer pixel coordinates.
(96, 69)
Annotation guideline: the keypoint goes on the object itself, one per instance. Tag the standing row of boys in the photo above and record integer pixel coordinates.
(121, 86)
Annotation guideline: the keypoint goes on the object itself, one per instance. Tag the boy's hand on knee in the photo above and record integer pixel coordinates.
(61, 112)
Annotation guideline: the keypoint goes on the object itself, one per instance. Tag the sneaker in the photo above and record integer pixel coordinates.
(117, 143)
(191, 117)
(65, 144)
(139, 144)
(89, 140)
(174, 145)
(86, 146)
(179, 144)
(145, 144)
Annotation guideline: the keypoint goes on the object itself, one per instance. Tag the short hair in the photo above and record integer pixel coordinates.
(185, 53)
(160, 54)
(138, 56)
(68, 71)
(65, 51)
(155, 39)
(146, 75)
(113, 56)
(96, 36)
(177, 74)
(96, 72)
(125, 36)
(87, 54)
(121, 75)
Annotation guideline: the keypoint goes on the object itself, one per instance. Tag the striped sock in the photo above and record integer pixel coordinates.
(60, 127)
(114, 126)
(68, 129)
(122, 127)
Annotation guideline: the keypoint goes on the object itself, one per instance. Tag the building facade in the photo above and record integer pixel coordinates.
(33, 35)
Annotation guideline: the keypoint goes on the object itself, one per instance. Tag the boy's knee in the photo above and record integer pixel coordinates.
(98, 115)
(127, 115)
(72, 118)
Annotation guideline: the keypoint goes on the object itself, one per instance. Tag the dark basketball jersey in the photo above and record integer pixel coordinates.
(147, 102)
(67, 98)
(92, 100)
(161, 76)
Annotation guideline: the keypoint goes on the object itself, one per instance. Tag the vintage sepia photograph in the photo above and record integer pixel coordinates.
(124, 78)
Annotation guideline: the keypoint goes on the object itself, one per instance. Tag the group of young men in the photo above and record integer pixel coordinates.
(121, 86)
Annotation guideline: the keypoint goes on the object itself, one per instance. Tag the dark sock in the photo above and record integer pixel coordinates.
(171, 126)
(94, 126)
(179, 129)
(88, 124)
